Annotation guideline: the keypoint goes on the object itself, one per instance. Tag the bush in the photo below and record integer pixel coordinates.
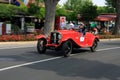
(109, 36)
(30, 24)
(31, 37)
(15, 29)
(8, 11)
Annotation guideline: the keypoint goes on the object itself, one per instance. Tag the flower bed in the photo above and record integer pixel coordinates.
(28, 37)
(31, 37)
(109, 36)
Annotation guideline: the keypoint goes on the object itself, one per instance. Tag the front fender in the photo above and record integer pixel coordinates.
(65, 39)
(40, 36)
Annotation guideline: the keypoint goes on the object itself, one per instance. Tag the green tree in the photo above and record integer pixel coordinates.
(84, 7)
(105, 9)
(88, 11)
(111, 3)
(33, 9)
(61, 11)
(36, 9)
(41, 13)
(73, 5)
(8, 11)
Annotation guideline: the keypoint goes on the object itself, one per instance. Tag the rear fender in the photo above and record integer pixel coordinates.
(96, 38)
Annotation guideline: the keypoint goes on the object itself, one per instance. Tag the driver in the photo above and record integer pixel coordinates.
(81, 28)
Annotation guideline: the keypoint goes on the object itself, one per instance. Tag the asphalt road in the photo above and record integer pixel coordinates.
(24, 63)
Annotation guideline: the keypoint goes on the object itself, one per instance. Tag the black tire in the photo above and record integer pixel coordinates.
(41, 48)
(67, 48)
(94, 46)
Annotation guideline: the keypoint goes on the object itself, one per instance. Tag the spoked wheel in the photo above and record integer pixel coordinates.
(94, 46)
(67, 48)
(41, 46)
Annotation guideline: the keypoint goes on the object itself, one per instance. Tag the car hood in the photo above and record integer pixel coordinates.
(67, 32)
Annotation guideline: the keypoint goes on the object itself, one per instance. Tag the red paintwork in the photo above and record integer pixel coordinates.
(40, 36)
(74, 36)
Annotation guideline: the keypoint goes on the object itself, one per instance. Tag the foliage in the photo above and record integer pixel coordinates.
(41, 13)
(8, 11)
(23, 9)
(5, 11)
(36, 11)
(111, 3)
(60, 11)
(33, 9)
(88, 12)
(105, 9)
(73, 5)
(7, 22)
(30, 24)
(15, 29)
(84, 7)
(76, 5)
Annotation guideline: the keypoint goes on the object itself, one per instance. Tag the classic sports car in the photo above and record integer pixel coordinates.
(66, 40)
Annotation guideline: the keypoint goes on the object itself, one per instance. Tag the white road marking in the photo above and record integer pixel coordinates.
(29, 63)
(108, 49)
(44, 60)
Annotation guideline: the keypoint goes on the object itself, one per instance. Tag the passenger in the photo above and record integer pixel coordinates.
(62, 24)
(93, 27)
(71, 25)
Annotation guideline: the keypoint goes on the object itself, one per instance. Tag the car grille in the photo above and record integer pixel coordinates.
(54, 39)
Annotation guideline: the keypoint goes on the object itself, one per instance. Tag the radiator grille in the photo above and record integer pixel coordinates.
(54, 38)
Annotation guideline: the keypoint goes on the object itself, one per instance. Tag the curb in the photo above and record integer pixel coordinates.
(116, 39)
(24, 44)
(19, 42)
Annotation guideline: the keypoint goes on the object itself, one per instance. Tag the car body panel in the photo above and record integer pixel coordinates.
(76, 37)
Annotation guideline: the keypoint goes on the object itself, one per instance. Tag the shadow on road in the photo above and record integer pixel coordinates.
(55, 53)
(68, 67)
(72, 67)
(32, 55)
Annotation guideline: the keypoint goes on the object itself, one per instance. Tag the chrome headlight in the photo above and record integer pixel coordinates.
(59, 36)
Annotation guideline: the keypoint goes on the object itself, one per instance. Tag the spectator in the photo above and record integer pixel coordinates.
(42, 22)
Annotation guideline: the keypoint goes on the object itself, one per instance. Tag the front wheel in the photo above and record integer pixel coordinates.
(94, 46)
(41, 48)
(67, 48)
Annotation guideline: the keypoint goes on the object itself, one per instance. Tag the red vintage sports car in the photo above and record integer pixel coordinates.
(66, 40)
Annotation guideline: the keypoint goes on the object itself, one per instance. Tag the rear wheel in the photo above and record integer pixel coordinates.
(67, 48)
(94, 46)
(41, 46)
